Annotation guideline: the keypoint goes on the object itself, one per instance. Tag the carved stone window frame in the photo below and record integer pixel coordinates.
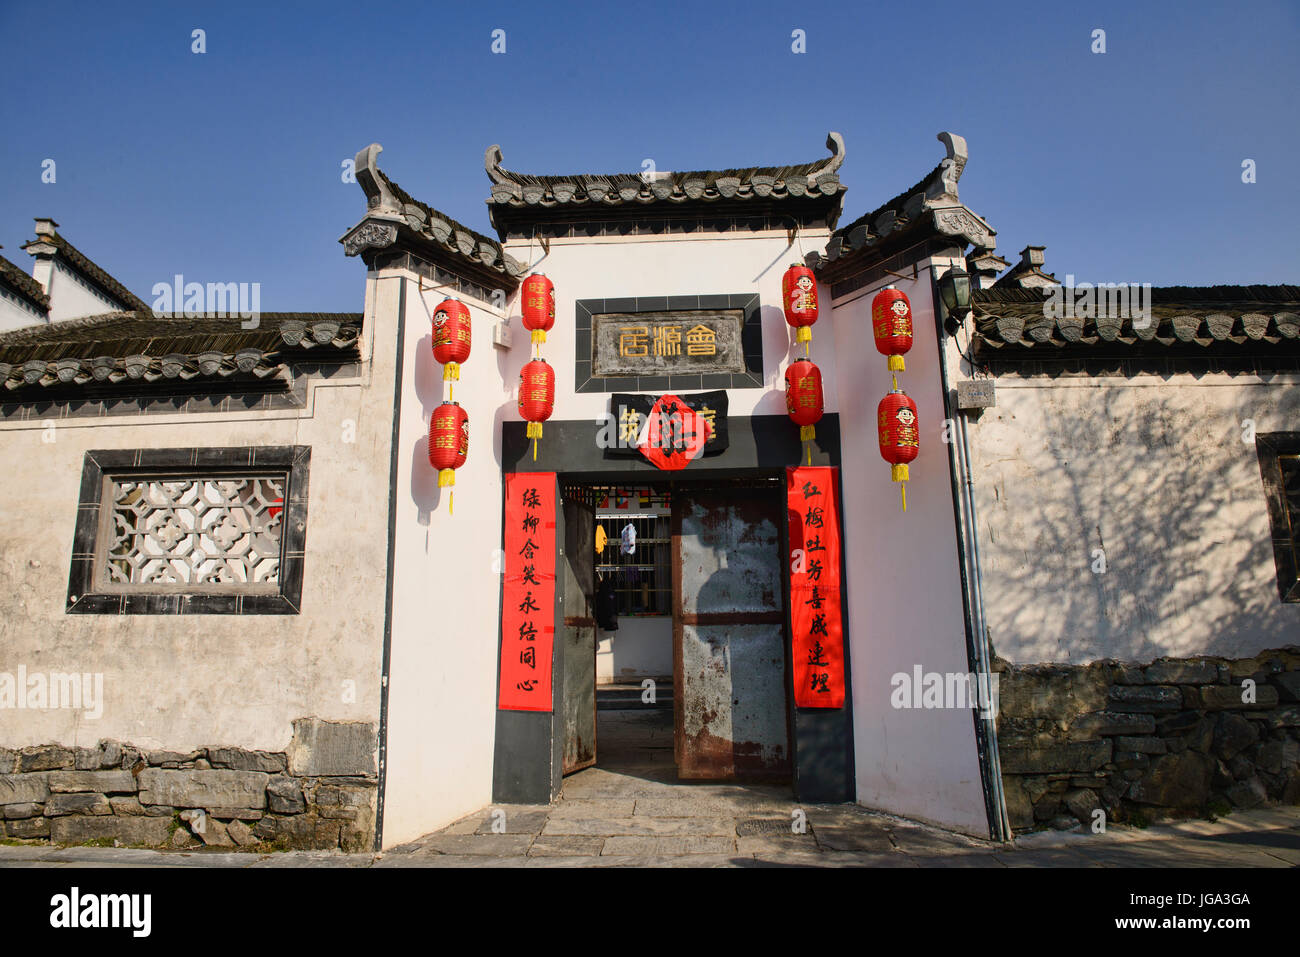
(87, 597)
(1272, 448)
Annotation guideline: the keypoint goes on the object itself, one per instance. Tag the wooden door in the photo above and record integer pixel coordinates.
(578, 636)
(730, 689)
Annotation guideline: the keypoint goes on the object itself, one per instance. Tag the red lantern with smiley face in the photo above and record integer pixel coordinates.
(899, 435)
(451, 336)
(891, 324)
(799, 296)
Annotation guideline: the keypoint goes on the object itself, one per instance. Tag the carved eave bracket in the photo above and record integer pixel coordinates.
(371, 233)
(959, 222)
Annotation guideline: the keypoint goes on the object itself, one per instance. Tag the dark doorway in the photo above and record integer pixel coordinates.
(698, 689)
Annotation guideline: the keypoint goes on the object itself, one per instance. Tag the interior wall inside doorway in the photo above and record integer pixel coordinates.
(640, 648)
(642, 645)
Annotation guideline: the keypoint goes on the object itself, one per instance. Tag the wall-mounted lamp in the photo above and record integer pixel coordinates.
(954, 294)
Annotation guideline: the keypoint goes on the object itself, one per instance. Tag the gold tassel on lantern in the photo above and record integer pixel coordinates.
(899, 473)
(534, 432)
(896, 364)
(539, 336)
(804, 334)
(447, 477)
(451, 372)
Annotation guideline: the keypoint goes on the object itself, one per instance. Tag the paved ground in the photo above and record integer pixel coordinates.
(632, 812)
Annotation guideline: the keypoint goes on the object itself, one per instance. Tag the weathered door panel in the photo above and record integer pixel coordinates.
(578, 637)
(730, 688)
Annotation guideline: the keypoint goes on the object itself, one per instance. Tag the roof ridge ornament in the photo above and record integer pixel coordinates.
(951, 167)
(366, 169)
(834, 143)
(492, 164)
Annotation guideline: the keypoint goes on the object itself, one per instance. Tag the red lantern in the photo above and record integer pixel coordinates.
(891, 324)
(538, 306)
(899, 435)
(448, 442)
(799, 296)
(536, 397)
(451, 336)
(803, 398)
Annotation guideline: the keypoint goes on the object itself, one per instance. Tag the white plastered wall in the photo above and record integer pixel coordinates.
(180, 682)
(903, 590)
(1155, 473)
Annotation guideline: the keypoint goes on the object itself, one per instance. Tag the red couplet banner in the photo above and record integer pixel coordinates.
(817, 636)
(528, 598)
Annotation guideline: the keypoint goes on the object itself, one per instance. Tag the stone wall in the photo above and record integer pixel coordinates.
(1142, 741)
(319, 794)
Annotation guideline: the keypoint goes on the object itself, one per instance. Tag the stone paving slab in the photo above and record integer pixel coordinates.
(767, 844)
(693, 806)
(917, 840)
(642, 826)
(956, 860)
(566, 845)
(497, 845)
(635, 846)
(593, 809)
(1048, 857)
(854, 839)
(513, 822)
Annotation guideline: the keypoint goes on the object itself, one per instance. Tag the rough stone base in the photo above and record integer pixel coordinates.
(1137, 742)
(320, 795)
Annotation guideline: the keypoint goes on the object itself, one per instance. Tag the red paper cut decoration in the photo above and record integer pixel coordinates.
(528, 595)
(536, 397)
(673, 435)
(899, 435)
(799, 296)
(538, 306)
(817, 636)
(891, 324)
(451, 336)
(448, 443)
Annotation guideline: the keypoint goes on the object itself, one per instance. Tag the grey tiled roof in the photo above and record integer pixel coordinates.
(932, 205)
(454, 237)
(120, 346)
(1009, 319)
(801, 180)
(391, 210)
(27, 287)
(69, 254)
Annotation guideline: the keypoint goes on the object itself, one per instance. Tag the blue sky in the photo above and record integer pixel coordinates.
(225, 166)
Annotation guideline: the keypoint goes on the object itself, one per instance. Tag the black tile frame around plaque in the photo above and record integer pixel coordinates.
(751, 343)
(294, 460)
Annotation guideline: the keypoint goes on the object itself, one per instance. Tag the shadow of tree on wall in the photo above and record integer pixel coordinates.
(1122, 523)
(1127, 523)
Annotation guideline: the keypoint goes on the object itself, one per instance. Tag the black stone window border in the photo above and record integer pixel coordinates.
(82, 598)
(751, 342)
(1271, 447)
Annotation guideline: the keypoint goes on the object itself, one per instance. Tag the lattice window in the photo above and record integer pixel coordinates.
(191, 531)
(194, 531)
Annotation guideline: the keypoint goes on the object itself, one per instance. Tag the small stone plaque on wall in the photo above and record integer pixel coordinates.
(667, 343)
